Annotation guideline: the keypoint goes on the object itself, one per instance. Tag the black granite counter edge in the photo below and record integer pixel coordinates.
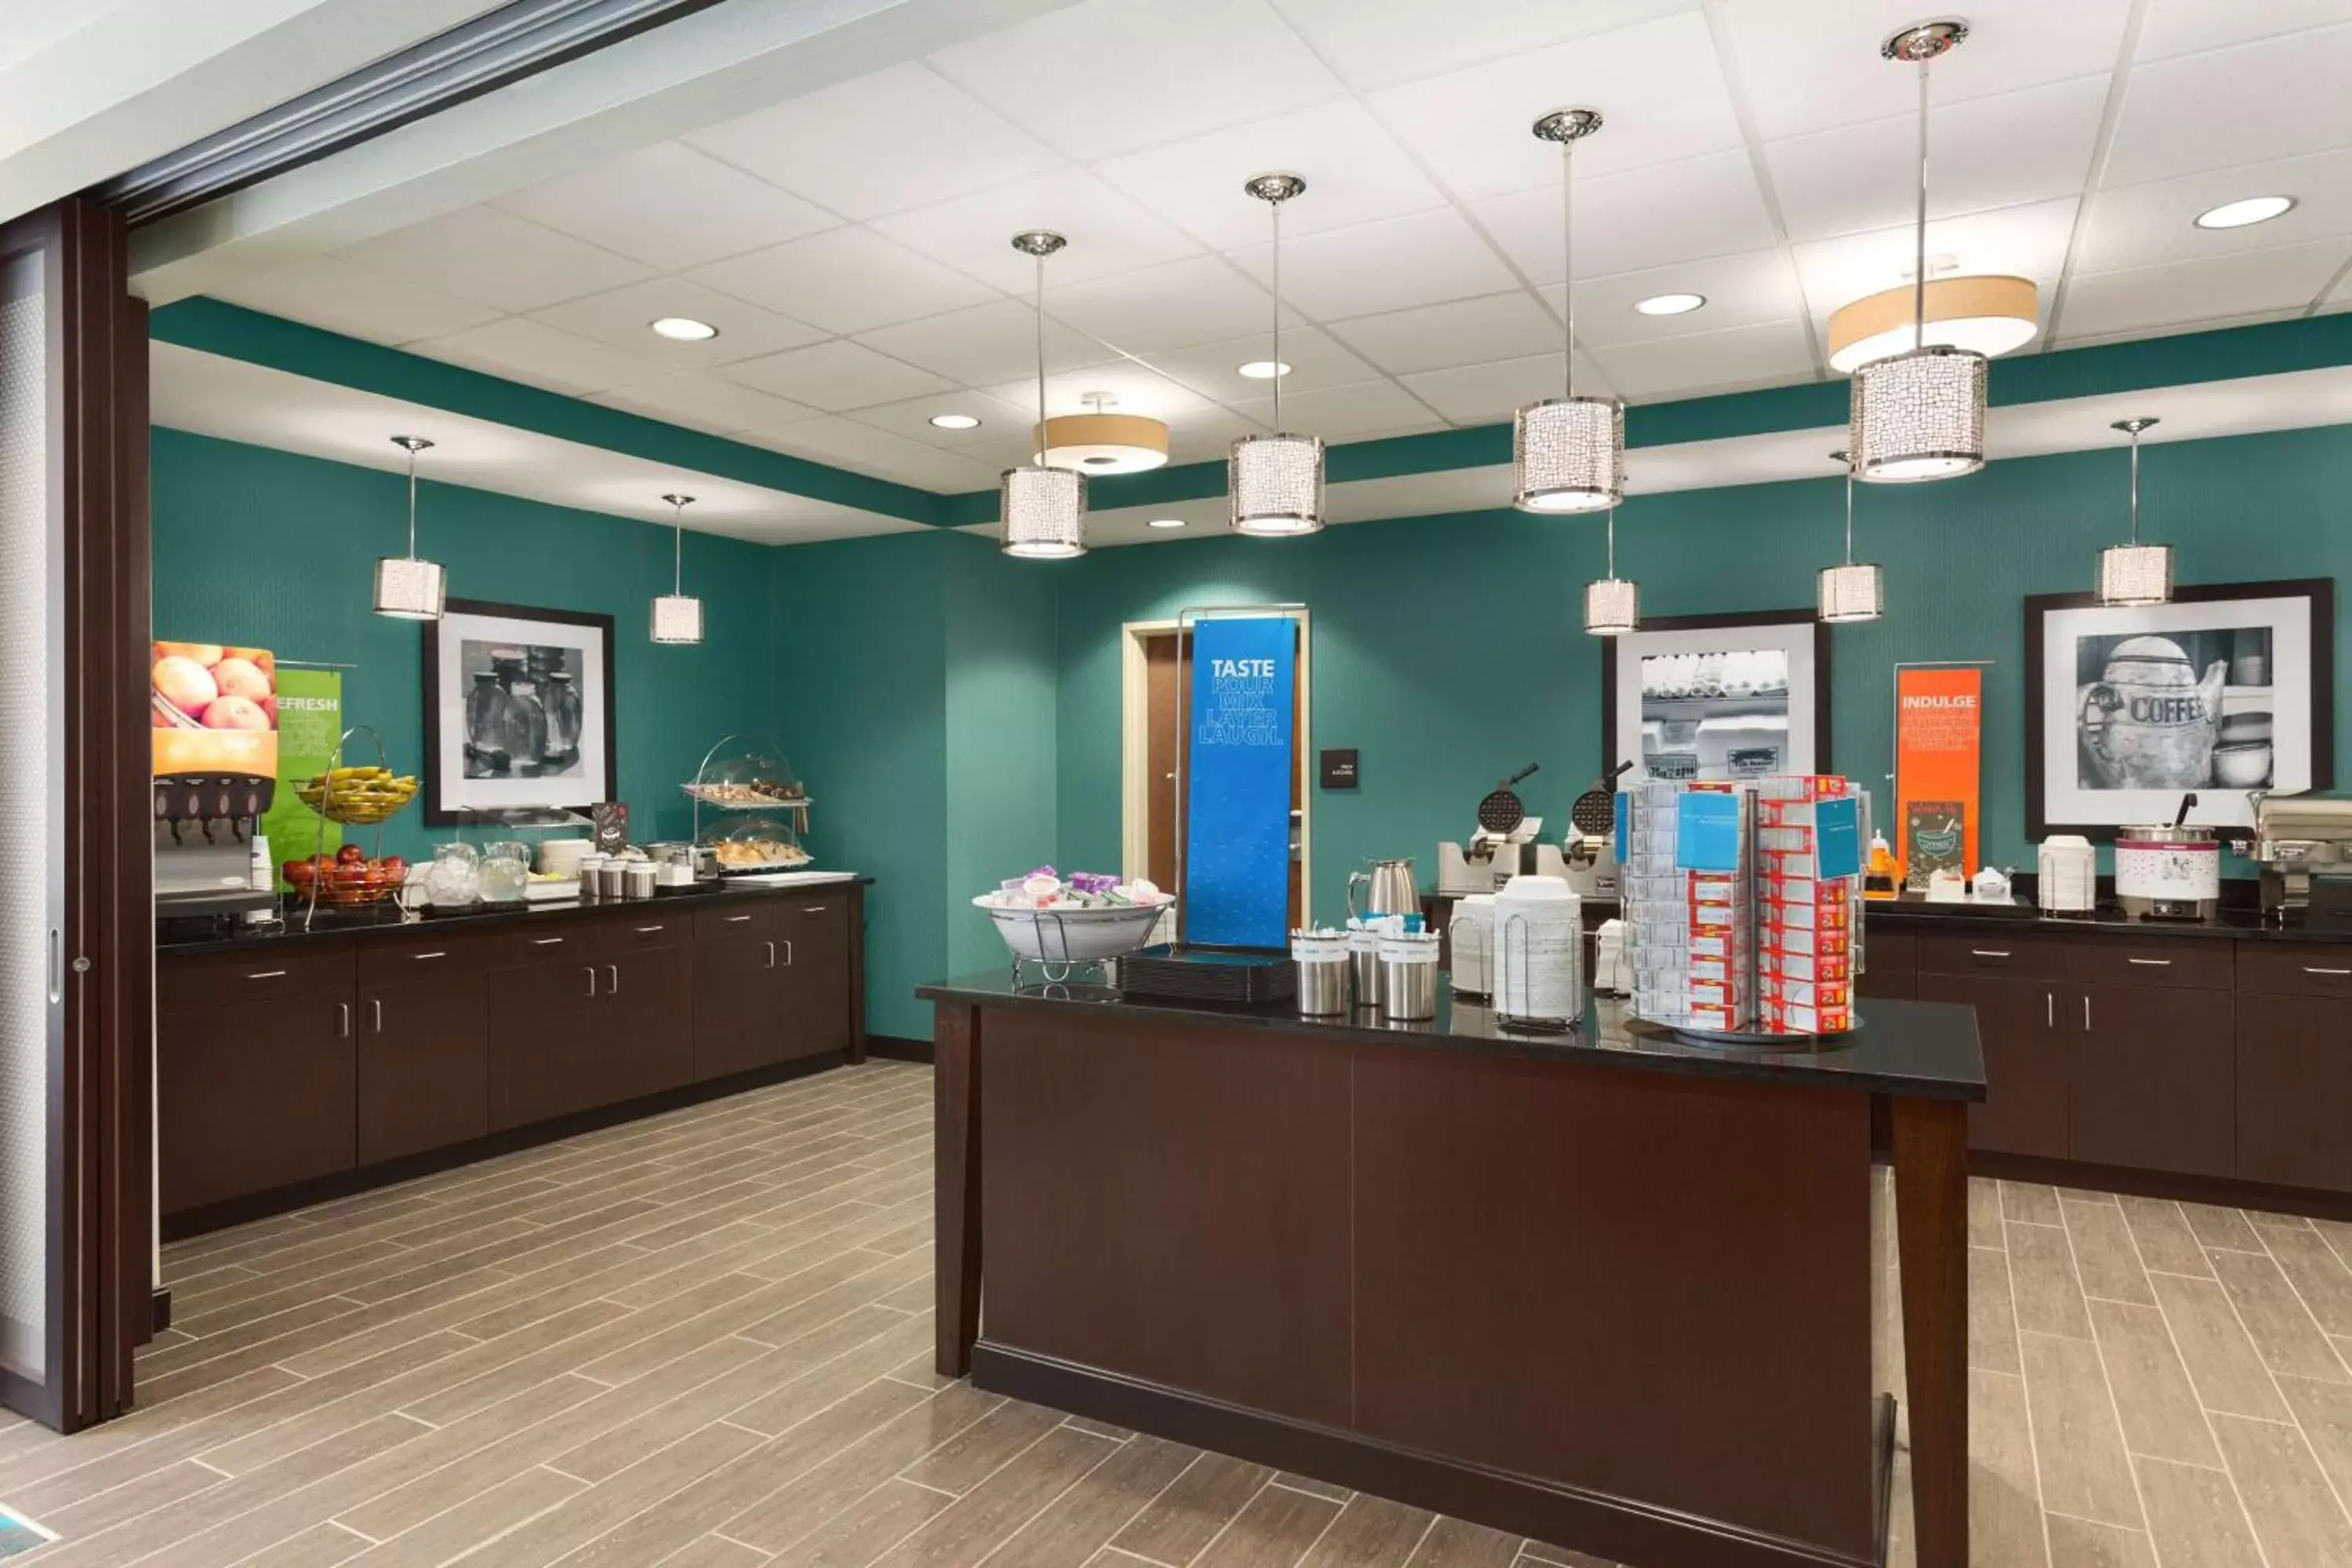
(349, 928)
(1963, 918)
(1888, 1056)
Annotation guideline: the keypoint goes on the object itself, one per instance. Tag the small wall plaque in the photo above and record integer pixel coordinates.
(1339, 767)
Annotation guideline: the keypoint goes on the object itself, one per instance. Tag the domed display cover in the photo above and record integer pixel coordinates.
(751, 844)
(748, 780)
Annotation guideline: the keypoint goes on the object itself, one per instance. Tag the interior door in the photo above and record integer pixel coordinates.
(77, 936)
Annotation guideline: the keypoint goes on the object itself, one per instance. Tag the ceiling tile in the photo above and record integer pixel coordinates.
(1208, 434)
(1374, 43)
(1346, 412)
(1995, 151)
(845, 280)
(913, 419)
(1203, 299)
(846, 444)
(2184, 26)
(1107, 233)
(1355, 173)
(1743, 290)
(2027, 241)
(1809, 65)
(2139, 226)
(329, 292)
(1463, 331)
(898, 138)
(1487, 394)
(834, 376)
(1707, 206)
(1129, 387)
(668, 206)
(2247, 104)
(542, 356)
(1392, 265)
(1772, 354)
(481, 253)
(704, 402)
(995, 342)
(2150, 298)
(1315, 357)
(1106, 76)
(1661, 96)
(623, 317)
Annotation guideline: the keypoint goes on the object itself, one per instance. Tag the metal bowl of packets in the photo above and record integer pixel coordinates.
(1081, 919)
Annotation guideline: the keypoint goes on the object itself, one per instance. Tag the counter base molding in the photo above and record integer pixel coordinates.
(1624, 1309)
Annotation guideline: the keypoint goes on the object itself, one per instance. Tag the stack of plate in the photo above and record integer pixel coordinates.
(561, 857)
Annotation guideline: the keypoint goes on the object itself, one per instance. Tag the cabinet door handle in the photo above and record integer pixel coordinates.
(591, 972)
(649, 931)
(547, 942)
(422, 957)
(2315, 969)
(737, 920)
(377, 1021)
(612, 976)
(1987, 952)
(2050, 1009)
(771, 955)
(2086, 1012)
(343, 1020)
(2151, 962)
(788, 955)
(268, 975)
(815, 908)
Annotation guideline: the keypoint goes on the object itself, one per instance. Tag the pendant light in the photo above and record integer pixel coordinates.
(1920, 414)
(1044, 509)
(678, 616)
(1568, 453)
(1854, 592)
(1277, 481)
(1613, 606)
(2135, 574)
(408, 588)
(1102, 442)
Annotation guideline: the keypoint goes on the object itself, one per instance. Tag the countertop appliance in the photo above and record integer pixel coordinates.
(1489, 860)
(2068, 883)
(1589, 857)
(2170, 872)
(2304, 845)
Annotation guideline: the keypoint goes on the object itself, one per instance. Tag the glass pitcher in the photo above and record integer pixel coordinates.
(504, 872)
(452, 878)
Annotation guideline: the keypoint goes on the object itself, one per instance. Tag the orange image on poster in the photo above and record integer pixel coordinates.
(1938, 745)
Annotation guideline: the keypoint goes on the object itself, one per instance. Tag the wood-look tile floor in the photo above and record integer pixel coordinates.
(703, 1341)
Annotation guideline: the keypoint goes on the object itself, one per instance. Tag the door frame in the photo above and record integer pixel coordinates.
(1135, 749)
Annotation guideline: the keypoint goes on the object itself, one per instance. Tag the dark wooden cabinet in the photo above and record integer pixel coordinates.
(254, 1080)
(2294, 1088)
(2025, 1045)
(2152, 1080)
(735, 1024)
(643, 1022)
(1890, 966)
(544, 1060)
(423, 1064)
(813, 1003)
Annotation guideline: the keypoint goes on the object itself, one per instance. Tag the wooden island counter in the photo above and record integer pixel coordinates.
(1604, 1288)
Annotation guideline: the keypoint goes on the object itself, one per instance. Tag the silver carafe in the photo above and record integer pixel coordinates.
(1391, 890)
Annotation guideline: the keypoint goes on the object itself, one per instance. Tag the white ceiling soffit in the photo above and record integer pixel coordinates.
(2296, 400)
(96, 86)
(1757, 151)
(237, 401)
(728, 59)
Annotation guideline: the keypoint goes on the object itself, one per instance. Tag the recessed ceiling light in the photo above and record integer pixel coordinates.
(2238, 215)
(955, 421)
(1265, 369)
(1670, 304)
(685, 329)
(1165, 523)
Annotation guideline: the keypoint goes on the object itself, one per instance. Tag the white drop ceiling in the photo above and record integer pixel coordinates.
(851, 244)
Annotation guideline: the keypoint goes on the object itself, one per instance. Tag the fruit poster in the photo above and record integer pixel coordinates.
(214, 709)
(1938, 747)
(309, 721)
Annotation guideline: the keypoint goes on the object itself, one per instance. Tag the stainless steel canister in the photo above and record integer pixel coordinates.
(1323, 973)
(612, 879)
(642, 877)
(1364, 960)
(1409, 975)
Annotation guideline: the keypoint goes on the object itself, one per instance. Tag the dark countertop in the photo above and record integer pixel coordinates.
(2231, 924)
(1925, 1049)
(384, 919)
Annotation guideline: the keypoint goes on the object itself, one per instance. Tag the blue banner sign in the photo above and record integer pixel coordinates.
(1237, 781)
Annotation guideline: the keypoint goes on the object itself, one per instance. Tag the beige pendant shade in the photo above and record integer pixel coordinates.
(1102, 442)
(1989, 314)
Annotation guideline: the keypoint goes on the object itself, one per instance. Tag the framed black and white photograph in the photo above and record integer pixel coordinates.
(517, 709)
(2226, 692)
(1718, 697)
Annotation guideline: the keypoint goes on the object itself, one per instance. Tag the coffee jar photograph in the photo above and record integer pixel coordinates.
(2227, 692)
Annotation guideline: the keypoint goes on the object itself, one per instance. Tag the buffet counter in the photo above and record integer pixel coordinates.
(1605, 1289)
(296, 1067)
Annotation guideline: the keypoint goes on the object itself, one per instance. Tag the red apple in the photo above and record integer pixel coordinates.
(235, 713)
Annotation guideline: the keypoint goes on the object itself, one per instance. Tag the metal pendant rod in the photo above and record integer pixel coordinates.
(412, 503)
(1040, 439)
(1849, 516)
(1612, 544)
(2135, 487)
(1568, 274)
(1919, 260)
(679, 503)
(1277, 318)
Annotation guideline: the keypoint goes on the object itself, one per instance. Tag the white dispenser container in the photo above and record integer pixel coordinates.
(1538, 952)
(1472, 937)
(2068, 882)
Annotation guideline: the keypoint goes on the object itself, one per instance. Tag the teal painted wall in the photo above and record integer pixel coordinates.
(265, 548)
(1448, 650)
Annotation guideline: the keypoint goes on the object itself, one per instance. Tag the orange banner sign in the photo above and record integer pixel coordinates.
(1938, 746)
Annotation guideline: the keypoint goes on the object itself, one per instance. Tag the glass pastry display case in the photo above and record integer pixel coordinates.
(751, 844)
(743, 774)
